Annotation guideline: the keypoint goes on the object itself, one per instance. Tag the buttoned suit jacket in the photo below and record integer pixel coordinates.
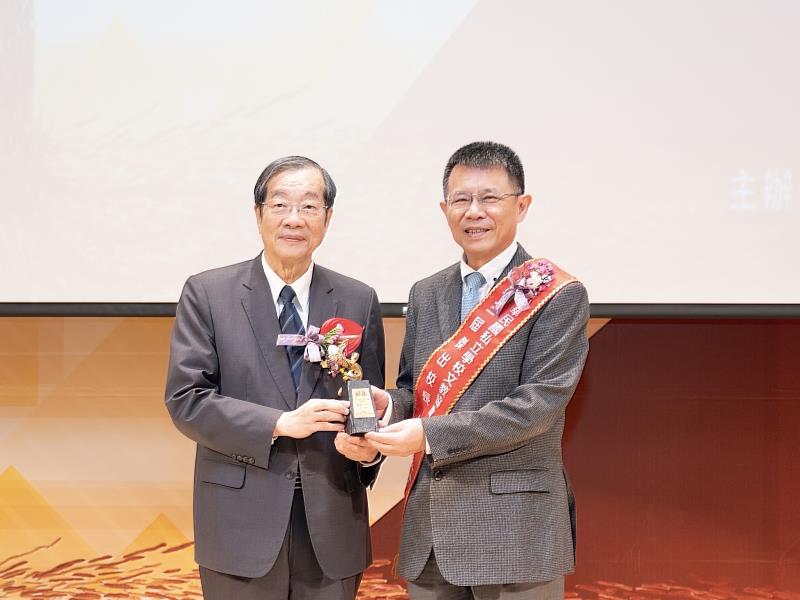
(227, 384)
(492, 498)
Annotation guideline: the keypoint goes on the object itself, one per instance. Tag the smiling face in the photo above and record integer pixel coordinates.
(484, 232)
(290, 240)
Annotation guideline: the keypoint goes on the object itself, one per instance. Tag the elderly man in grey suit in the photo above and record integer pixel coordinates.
(278, 511)
(489, 511)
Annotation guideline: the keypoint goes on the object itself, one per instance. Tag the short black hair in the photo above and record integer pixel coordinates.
(485, 155)
(292, 163)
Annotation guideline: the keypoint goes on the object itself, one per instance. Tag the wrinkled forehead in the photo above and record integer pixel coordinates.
(304, 182)
(478, 179)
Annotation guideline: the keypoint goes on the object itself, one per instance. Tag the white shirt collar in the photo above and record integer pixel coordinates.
(492, 269)
(301, 286)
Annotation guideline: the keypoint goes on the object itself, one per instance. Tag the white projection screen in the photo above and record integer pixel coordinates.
(660, 139)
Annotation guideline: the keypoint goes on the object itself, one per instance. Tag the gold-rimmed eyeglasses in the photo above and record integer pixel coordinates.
(310, 210)
(461, 201)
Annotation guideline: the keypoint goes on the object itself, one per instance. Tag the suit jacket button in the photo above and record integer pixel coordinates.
(238, 457)
(438, 475)
(251, 460)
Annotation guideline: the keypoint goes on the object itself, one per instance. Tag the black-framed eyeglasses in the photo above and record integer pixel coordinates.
(461, 201)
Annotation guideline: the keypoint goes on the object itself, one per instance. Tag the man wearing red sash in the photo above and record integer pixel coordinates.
(493, 350)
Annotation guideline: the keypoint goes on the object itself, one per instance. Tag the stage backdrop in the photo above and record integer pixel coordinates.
(682, 443)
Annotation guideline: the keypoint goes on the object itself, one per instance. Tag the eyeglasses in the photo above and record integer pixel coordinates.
(306, 210)
(461, 201)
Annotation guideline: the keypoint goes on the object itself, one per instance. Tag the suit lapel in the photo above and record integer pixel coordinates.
(257, 303)
(448, 302)
(520, 256)
(322, 306)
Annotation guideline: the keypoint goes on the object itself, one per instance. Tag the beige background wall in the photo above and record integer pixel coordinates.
(84, 432)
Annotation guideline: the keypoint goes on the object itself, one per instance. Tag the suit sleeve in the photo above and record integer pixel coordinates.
(403, 396)
(551, 368)
(373, 362)
(224, 424)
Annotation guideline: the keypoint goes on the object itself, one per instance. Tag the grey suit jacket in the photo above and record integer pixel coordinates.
(492, 499)
(226, 387)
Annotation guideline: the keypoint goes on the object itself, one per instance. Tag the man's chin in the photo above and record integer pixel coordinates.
(292, 253)
(480, 245)
(292, 246)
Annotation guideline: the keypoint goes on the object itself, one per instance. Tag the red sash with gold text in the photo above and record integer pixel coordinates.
(455, 364)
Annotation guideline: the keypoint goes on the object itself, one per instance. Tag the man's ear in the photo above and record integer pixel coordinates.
(523, 204)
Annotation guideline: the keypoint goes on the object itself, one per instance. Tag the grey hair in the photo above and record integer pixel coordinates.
(292, 163)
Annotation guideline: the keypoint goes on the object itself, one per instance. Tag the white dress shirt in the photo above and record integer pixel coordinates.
(301, 287)
(491, 270)
(302, 290)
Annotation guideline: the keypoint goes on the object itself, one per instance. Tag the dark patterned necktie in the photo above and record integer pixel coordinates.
(290, 322)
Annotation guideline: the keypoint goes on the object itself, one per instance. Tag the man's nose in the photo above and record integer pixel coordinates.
(293, 218)
(474, 210)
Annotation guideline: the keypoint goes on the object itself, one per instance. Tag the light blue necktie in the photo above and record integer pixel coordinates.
(290, 322)
(470, 292)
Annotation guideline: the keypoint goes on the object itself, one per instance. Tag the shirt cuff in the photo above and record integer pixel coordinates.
(372, 463)
(387, 415)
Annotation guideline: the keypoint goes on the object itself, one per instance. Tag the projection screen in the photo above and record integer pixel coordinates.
(660, 139)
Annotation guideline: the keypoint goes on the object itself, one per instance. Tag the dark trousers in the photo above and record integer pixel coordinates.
(296, 574)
